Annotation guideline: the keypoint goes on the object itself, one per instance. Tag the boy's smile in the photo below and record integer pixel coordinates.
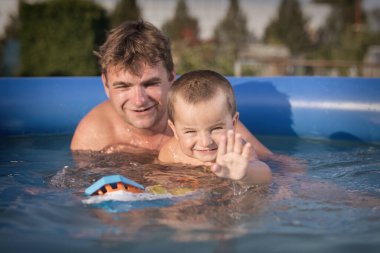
(198, 127)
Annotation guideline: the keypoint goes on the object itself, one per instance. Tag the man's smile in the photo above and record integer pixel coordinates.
(144, 109)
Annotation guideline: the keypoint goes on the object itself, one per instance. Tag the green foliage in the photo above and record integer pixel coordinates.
(345, 35)
(12, 29)
(232, 33)
(340, 20)
(220, 54)
(374, 20)
(125, 10)
(201, 56)
(191, 58)
(182, 27)
(58, 37)
(289, 28)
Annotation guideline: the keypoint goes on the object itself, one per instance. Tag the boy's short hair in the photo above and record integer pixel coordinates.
(133, 43)
(198, 86)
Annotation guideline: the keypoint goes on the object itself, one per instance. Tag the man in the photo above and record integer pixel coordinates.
(137, 71)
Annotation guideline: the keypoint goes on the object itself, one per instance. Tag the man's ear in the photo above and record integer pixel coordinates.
(105, 85)
(171, 125)
(172, 77)
(235, 120)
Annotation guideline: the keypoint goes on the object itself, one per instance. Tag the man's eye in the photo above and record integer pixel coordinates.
(189, 132)
(217, 128)
(119, 87)
(152, 84)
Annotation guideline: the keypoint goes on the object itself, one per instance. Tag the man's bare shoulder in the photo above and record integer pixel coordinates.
(94, 129)
(261, 151)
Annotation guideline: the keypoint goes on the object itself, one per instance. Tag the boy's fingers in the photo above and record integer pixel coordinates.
(238, 144)
(247, 150)
(215, 168)
(219, 171)
(222, 145)
(230, 141)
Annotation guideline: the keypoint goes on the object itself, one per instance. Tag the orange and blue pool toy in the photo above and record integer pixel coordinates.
(113, 183)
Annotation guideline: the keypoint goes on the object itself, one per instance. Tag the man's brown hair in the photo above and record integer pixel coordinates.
(134, 43)
(198, 86)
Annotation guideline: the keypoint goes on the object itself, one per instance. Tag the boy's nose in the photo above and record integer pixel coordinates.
(206, 140)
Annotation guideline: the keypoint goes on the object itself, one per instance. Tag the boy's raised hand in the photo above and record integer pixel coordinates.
(233, 157)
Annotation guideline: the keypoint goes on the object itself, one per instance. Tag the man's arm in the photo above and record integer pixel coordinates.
(258, 173)
(261, 151)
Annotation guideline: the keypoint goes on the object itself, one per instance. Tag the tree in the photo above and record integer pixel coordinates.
(345, 16)
(346, 35)
(182, 27)
(201, 56)
(374, 19)
(10, 47)
(289, 28)
(232, 33)
(374, 26)
(125, 10)
(183, 31)
(59, 36)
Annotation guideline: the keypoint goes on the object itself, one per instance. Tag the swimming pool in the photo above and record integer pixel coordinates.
(332, 206)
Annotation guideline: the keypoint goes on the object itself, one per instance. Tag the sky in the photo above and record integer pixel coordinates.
(258, 12)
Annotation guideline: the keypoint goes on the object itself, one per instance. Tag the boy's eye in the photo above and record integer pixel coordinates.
(189, 131)
(217, 128)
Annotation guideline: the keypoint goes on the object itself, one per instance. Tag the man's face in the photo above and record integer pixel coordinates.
(198, 127)
(139, 99)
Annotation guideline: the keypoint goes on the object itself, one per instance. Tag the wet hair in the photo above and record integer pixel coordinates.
(132, 44)
(199, 86)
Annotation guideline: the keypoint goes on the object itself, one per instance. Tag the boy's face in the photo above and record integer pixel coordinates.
(198, 127)
(139, 99)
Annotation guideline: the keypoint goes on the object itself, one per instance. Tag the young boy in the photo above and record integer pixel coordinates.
(202, 114)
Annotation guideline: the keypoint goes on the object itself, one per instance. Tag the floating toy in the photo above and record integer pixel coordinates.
(113, 183)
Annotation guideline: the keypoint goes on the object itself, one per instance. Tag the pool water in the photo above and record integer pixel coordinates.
(328, 202)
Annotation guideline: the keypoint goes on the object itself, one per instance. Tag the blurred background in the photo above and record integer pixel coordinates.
(234, 37)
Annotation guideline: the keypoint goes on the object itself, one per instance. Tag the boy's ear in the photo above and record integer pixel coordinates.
(105, 85)
(235, 119)
(171, 125)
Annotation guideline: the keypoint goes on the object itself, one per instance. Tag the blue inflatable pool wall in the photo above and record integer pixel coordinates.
(305, 107)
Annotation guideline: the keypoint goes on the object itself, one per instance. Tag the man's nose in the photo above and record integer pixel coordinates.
(139, 95)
